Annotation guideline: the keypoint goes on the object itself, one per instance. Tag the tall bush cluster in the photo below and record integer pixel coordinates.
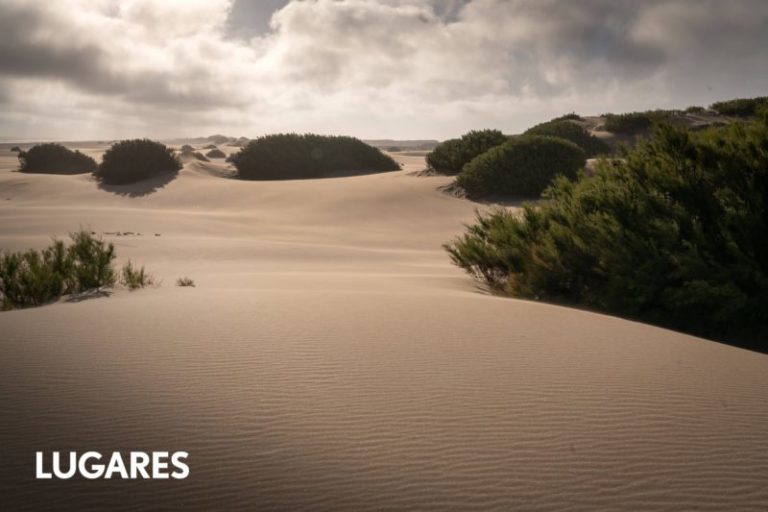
(54, 158)
(134, 160)
(293, 156)
(450, 157)
(523, 166)
(673, 233)
(571, 131)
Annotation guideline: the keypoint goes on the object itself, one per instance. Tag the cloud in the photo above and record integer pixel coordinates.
(391, 68)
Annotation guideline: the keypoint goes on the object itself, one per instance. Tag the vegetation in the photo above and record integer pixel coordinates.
(134, 160)
(450, 156)
(741, 107)
(33, 278)
(15, 149)
(216, 153)
(574, 132)
(185, 281)
(637, 122)
(673, 233)
(523, 166)
(695, 109)
(134, 278)
(199, 156)
(573, 116)
(55, 159)
(293, 156)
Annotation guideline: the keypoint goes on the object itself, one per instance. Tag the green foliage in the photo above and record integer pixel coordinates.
(674, 234)
(216, 153)
(523, 166)
(294, 156)
(185, 281)
(134, 278)
(695, 109)
(55, 159)
(741, 107)
(638, 122)
(33, 278)
(573, 132)
(573, 116)
(134, 160)
(450, 156)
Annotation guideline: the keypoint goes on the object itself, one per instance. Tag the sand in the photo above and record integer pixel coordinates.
(331, 358)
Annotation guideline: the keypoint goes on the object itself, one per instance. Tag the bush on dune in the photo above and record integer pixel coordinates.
(523, 166)
(135, 160)
(55, 159)
(638, 122)
(216, 153)
(574, 132)
(294, 156)
(450, 156)
(674, 234)
(32, 278)
(741, 107)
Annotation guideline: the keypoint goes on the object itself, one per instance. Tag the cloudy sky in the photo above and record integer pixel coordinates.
(102, 69)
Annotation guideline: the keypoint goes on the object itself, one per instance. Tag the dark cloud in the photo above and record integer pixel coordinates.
(431, 65)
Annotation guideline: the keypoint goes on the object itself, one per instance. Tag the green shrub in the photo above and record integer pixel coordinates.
(673, 233)
(450, 156)
(15, 149)
(638, 122)
(695, 109)
(185, 281)
(55, 159)
(523, 166)
(216, 153)
(293, 156)
(134, 160)
(573, 132)
(573, 116)
(33, 278)
(741, 107)
(134, 278)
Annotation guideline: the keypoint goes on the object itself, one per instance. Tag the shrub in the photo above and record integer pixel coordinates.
(573, 116)
(185, 281)
(199, 156)
(33, 278)
(674, 234)
(637, 122)
(695, 109)
(216, 153)
(741, 107)
(134, 278)
(292, 156)
(15, 149)
(134, 160)
(55, 159)
(522, 166)
(573, 132)
(186, 149)
(450, 156)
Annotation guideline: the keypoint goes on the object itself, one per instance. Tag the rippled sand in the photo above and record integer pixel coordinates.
(330, 358)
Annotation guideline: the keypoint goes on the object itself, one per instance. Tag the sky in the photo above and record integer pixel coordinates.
(404, 69)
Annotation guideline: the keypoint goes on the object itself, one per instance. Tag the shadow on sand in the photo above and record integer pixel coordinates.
(140, 188)
(88, 295)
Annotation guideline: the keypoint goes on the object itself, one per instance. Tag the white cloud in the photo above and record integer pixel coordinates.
(421, 68)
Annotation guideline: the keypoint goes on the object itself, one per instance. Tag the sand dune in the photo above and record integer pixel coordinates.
(330, 358)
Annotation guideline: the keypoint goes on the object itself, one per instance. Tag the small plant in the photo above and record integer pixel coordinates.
(741, 107)
(185, 281)
(200, 156)
(54, 159)
(15, 149)
(33, 278)
(134, 278)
